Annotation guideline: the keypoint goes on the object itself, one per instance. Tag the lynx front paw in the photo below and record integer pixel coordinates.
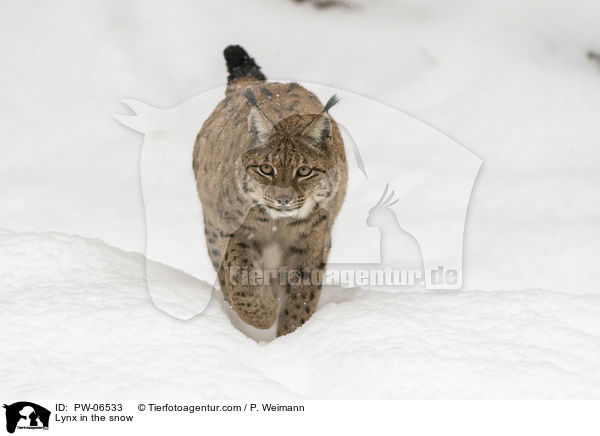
(255, 305)
(301, 304)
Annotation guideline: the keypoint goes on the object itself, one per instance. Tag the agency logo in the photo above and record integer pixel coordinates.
(401, 225)
(25, 415)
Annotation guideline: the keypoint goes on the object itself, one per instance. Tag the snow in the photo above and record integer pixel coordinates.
(86, 311)
(508, 80)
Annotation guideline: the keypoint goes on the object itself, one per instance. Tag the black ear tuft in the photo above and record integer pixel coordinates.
(333, 100)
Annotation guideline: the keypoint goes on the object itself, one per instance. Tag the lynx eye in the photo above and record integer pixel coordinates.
(266, 169)
(303, 171)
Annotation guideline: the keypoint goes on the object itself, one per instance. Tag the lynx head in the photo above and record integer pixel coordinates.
(292, 167)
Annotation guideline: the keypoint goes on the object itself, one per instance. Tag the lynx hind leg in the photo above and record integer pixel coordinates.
(254, 303)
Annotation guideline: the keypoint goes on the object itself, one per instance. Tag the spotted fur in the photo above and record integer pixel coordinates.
(247, 224)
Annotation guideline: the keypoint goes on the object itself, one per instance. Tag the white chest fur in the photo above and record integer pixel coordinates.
(272, 256)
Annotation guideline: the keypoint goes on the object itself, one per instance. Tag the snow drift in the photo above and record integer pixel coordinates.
(81, 324)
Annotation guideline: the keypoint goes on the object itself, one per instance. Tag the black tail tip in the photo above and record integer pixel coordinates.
(240, 64)
(235, 55)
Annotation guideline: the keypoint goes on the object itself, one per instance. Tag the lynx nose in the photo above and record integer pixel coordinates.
(283, 200)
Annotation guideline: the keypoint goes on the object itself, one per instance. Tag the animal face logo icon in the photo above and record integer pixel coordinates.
(26, 415)
(382, 213)
(398, 248)
(417, 223)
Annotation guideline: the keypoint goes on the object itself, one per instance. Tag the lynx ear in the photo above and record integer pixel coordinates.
(259, 125)
(319, 130)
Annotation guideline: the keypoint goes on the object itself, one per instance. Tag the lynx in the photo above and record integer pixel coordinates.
(271, 174)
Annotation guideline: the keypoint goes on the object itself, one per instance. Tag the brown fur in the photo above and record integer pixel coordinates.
(240, 226)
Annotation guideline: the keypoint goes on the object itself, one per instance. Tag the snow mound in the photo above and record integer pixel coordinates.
(108, 340)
